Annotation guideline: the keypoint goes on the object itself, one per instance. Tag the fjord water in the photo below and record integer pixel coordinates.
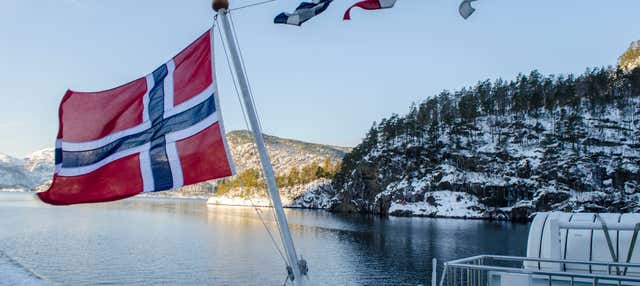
(148, 241)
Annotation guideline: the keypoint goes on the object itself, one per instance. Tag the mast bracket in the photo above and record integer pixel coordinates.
(303, 266)
(290, 273)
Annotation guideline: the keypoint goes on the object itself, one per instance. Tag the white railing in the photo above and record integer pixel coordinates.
(480, 271)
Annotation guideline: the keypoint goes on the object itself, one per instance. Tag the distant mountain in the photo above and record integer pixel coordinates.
(40, 164)
(285, 153)
(26, 173)
(12, 174)
(287, 156)
(36, 169)
(504, 150)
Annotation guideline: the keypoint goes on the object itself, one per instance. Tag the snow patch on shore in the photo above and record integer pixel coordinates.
(441, 204)
(238, 201)
(14, 190)
(314, 195)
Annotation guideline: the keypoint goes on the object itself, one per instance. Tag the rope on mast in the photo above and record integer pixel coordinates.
(221, 6)
(244, 117)
(244, 67)
(244, 70)
(302, 264)
(251, 5)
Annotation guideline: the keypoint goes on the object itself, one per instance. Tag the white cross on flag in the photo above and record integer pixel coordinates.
(156, 133)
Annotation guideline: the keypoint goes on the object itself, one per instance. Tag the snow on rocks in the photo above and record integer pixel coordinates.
(514, 164)
(27, 173)
(441, 204)
(239, 201)
(314, 195)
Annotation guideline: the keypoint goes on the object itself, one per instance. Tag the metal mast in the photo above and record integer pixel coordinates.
(222, 9)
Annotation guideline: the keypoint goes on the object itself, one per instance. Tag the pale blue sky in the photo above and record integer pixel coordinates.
(325, 82)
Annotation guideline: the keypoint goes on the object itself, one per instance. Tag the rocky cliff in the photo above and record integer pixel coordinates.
(503, 150)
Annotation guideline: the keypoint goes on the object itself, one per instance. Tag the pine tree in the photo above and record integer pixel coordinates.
(468, 107)
(487, 103)
(447, 108)
(535, 93)
(293, 178)
(506, 106)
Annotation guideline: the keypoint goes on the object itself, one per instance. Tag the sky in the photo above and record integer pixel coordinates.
(324, 82)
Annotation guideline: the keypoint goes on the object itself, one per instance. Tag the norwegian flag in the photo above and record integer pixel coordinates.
(156, 133)
(369, 5)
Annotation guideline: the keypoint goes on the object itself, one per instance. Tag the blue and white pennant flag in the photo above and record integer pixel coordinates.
(303, 13)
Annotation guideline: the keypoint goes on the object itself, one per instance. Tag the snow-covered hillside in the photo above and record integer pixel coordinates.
(40, 164)
(35, 170)
(285, 153)
(26, 173)
(504, 150)
(314, 195)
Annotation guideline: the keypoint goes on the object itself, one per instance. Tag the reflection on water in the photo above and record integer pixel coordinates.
(164, 241)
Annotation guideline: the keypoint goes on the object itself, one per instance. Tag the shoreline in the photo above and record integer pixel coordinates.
(388, 215)
(262, 205)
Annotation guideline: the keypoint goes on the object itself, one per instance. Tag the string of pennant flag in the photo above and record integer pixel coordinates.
(308, 10)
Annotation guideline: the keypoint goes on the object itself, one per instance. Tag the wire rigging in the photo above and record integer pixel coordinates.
(236, 83)
(244, 68)
(251, 97)
(252, 5)
(244, 116)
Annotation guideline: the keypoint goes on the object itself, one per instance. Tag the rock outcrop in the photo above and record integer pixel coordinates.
(505, 149)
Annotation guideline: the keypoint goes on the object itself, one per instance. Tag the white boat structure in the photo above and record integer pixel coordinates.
(563, 249)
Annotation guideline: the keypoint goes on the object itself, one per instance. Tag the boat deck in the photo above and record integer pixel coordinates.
(496, 270)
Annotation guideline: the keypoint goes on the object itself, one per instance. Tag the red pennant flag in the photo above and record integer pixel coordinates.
(159, 132)
(370, 5)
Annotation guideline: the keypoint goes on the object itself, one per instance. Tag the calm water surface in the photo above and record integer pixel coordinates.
(164, 241)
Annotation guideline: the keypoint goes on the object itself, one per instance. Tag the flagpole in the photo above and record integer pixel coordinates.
(222, 9)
